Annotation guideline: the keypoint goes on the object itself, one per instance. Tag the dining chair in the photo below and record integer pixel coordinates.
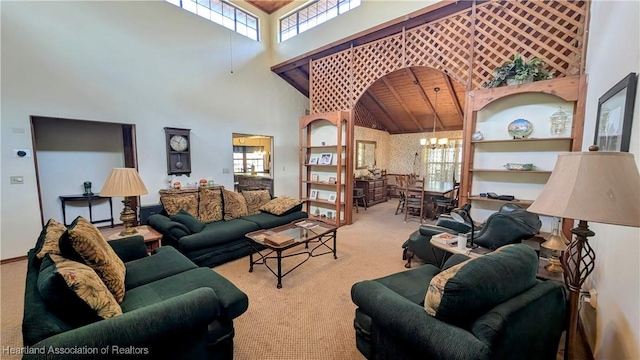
(414, 202)
(444, 204)
(358, 195)
(401, 184)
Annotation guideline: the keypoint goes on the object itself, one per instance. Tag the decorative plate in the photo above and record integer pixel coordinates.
(520, 128)
(514, 166)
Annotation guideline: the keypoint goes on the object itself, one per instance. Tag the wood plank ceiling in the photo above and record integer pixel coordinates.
(269, 6)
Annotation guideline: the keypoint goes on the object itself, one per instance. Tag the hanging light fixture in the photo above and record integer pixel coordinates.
(434, 142)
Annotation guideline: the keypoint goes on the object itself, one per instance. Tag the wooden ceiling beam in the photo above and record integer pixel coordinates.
(401, 101)
(454, 96)
(295, 84)
(423, 95)
(391, 121)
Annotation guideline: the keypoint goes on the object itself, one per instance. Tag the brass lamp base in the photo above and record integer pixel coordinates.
(554, 265)
(127, 216)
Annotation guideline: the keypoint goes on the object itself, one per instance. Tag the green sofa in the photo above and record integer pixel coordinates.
(491, 307)
(217, 241)
(172, 309)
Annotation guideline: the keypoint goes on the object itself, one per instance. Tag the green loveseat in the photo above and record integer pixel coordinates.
(216, 240)
(491, 307)
(172, 309)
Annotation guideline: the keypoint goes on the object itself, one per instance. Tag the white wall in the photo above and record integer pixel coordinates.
(369, 14)
(145, 63)
(70, 153)
(613, 52)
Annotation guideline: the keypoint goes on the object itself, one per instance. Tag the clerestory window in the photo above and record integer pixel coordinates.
(312, 15)
(223, 13)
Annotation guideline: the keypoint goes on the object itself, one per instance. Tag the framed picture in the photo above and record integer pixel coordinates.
(314, 177)
(332, 197)
(314, 194)
(615, 113)
(325, 159)
(313, 160)
(332, 180)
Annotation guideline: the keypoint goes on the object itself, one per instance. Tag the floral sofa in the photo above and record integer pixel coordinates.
(208, 224)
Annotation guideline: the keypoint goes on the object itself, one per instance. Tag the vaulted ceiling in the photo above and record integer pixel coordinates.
(269, 6)
(403, 101)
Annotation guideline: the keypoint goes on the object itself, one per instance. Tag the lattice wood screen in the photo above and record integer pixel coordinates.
(362, 117)
(551, 30)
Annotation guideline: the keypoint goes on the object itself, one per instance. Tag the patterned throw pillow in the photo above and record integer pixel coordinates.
(234, 205)
(280, 205)
(462, 293)
(174, 201)
(53, 232)
(210, 207)
(83, 281)
(84, 242)
(255, 199)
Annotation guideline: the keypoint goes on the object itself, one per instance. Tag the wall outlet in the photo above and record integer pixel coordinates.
(225, 171)
(17, 180)
(592, 299)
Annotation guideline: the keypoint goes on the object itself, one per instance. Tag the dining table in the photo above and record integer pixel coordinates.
(434, 188)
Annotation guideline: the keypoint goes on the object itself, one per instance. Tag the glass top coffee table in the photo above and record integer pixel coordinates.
(300, 232)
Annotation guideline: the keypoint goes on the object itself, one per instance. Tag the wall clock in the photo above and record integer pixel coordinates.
(178, 145)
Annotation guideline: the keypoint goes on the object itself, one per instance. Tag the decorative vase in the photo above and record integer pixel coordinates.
(477, 136)
(87, 188)
(559, 120)
(519, 81)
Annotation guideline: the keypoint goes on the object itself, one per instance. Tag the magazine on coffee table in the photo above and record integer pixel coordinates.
(279, 239)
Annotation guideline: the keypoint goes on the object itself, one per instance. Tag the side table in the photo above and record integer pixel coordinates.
(152, 238)
(542, 273)
(88, 199)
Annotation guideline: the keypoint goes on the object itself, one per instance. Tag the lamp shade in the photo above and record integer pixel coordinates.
(602, 187)
(123, 182)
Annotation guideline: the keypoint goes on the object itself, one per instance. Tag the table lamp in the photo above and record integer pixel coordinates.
(124, 182)
(588, 186)
(460, 218)
(557, 243)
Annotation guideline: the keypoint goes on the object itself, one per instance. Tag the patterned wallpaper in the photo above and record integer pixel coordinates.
(397, 153)
(405, 150)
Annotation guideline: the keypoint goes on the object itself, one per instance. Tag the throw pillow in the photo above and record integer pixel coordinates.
(74, 291)
(467, 290)
(210, 206)
(234, 205)
(194, 225)
(255, 199)
(281, 205)
(52, 233)
(83, 242)
(176, 200)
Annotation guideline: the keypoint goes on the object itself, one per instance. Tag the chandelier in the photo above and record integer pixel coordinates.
(434, 142)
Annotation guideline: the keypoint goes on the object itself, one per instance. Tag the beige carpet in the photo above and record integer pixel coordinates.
(311, 317)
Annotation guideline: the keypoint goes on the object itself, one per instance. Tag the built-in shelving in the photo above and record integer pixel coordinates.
(316, 131)
(490, 112)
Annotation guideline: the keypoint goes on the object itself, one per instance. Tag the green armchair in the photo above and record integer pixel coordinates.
(492, 307)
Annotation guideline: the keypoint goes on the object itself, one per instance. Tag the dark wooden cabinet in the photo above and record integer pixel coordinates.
(375, 191)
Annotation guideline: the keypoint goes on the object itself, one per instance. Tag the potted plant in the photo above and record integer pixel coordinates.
(519, 71)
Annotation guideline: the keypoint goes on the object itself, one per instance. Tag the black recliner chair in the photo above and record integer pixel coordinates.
(511, 224)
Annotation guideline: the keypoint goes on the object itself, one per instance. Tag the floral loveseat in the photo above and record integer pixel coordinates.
(208, 224)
